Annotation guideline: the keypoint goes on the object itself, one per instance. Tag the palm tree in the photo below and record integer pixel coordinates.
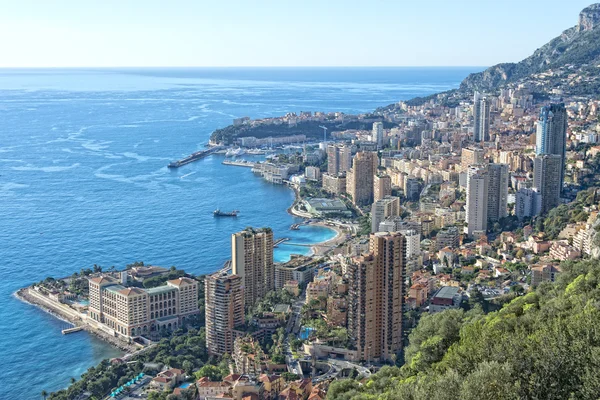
(44, 394)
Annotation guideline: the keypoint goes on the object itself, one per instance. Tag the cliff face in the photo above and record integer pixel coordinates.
(577, 45)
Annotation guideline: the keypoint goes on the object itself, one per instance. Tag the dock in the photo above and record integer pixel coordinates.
(239, 163)
(71, 330)
(194, 157)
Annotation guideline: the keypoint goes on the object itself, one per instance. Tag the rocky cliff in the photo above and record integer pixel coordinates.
(579, 45)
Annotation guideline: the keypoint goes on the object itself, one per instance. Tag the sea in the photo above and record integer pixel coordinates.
(84, 181)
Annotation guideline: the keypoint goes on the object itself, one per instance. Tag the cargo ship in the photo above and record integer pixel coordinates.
(219, 213)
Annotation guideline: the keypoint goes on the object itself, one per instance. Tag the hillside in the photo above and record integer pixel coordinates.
(544, 345)
(576, 46)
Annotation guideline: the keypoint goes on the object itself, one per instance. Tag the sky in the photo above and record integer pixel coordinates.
(139, 33)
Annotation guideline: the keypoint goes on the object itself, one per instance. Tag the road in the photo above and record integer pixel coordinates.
(293, 327)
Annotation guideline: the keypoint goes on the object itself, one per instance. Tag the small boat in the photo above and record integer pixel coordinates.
(219, 213)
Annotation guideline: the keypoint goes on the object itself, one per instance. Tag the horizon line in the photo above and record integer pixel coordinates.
(242, 66)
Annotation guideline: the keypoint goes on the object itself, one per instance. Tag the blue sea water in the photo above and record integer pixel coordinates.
(83, 181)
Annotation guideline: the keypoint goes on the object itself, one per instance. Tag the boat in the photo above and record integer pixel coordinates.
(234, 152)
(219, 213)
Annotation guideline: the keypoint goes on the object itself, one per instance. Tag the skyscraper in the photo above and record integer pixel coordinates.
(551, 135)
(382, 186)
(376, 297)
(224, 299)
(339, 159)
(384, 208)
(497, 191)
(477, 201)
(359, 180)
(377, 134)
(546, 172)
(481, 118)
(252, 260)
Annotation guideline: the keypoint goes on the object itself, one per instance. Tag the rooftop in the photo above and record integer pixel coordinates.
(447, 292)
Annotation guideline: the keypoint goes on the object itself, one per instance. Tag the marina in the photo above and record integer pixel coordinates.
(239, 163)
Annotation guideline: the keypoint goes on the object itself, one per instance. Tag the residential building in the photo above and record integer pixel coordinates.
(481, 118)
(252, 260)
(382, 186)
(299, 269)
(412, 189)
(551, 135)
(127, 312)
(497, 191)
(224, 303)
(471, 156)
(447, 237)
(528, 203)
(477, 201)
(339, 159)
(382, 209)
(376, 297)
(546, 173)
(563, 251)
(377, 135)
(544, 273)
(312, 173)
(335, 184)
(359, 180)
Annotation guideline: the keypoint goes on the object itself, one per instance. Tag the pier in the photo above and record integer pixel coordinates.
(71, 330)
(239, 163)
(279, 241)
(194, 157)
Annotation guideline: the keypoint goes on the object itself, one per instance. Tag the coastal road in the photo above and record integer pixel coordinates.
(293, 326)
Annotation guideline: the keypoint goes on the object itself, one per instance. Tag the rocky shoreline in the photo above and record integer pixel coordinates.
(25, 296)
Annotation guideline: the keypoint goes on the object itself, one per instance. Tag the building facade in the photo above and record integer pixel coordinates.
(497, 191)
(481, 118)
(128, 312)
(252, 260)
(224, 310)
(382, 186)
(376, 297)
(359, 180)
(383, 209)
(477, 201)
(546, 180)
(551, 134)
(339, 159)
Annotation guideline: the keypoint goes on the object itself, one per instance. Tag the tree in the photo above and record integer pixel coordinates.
(211, 372)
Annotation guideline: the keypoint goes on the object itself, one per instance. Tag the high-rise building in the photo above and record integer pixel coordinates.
(551, 135)
(382, 209)
(481, 118)
(252, 260)
(528, 203)
(477, 201)
(412, 189)
(382, 186)
(546, 180)
(359, 180)
(224, 302)
(339, 159)
(376, 297)
(335, 184)
(497, 191)
(133, 311)
(377, 134)
(471, 156)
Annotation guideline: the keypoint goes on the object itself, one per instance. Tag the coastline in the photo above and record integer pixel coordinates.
(319, 248)
(26, 296)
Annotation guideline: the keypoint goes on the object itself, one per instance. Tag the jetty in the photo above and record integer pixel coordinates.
(239, 163)
(71, 330)
(194, 157)
(279, 241)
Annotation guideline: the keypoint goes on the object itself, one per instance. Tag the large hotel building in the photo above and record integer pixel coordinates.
(131, 311)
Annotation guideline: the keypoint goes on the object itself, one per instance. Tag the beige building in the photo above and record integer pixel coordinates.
(376, 297)
(252, 260)
(224, 302)
(359, 180)
(130, 311)
(339, 159)
(382, 186)
(335, 184)
(544, 273)
(471, 156)
(383, 209)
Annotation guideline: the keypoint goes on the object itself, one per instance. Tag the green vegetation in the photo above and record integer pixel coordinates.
(558, 218)
(155, 281)
(543, 345)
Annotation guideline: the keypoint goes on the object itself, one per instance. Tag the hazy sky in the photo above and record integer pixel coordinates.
(71, 33)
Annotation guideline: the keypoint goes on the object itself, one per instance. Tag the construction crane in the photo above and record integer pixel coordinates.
(324, 133)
